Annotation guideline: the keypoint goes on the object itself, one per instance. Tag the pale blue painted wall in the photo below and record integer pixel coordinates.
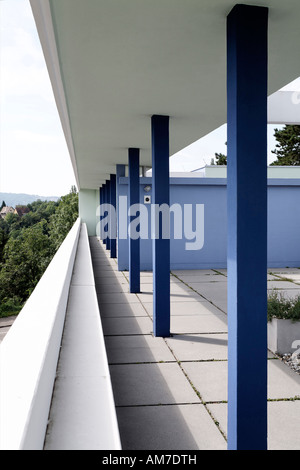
(283, 223)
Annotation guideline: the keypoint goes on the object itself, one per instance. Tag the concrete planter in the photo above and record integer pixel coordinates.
(282, 334)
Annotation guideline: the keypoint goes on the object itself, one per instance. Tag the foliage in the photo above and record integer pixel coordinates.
(25, 258)
(221, 159)
(288, 147)
(10, 307)
(282, 307)
(28, 242)
(64, 218)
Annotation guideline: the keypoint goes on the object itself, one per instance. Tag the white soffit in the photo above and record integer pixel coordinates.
(114, 63)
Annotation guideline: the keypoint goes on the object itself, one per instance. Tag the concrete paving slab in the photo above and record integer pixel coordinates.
(186, 278)
(146, 281)
(175, 279)
(191, 308)
(114, 287)
(219, 412)
(102, 274)
(175, 297)
(221, 304)
(117, 298)
(282, 285)
(221, 270)
(293, 276)
(127, 326)
(282, 381)
(210, 379)
(137, 349)
(143, 274)
(201, 308)
(195, 347)
(167, 428)
(199, 338)
(104, 265)
(175, 288)
(283, 423)
(211, 289)
(213, 292)
(272, 277)
(122, 310)
(150, 384)
(181, 324)
(193, 272)
(283, 270)
(102, 282)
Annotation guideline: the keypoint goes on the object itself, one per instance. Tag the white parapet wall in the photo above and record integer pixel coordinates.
(83, 413)
(29, 354)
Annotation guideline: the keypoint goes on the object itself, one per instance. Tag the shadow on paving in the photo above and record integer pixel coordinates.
(151, 416)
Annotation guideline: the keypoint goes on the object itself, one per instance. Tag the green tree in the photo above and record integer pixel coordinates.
(221, 159)
(25, 259)
(64, 218)
(12, 222)
(288, 147)
(2, 205)
(27, 244)
(3, 240)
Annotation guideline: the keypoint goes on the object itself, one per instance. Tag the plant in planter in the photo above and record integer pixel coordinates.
(283, 323)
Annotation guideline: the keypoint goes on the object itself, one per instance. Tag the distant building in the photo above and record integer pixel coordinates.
(7, 210)
(21, 210)
(220, 171)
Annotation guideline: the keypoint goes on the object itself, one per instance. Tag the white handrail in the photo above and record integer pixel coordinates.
(29, 354)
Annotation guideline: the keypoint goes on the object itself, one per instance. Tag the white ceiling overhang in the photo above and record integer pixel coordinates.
(115, 63)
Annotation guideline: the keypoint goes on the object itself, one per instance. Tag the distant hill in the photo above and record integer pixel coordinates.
(14, 199)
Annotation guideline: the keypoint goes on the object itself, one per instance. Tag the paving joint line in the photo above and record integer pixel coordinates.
(159, 404)
(198, 293)
(217, 424)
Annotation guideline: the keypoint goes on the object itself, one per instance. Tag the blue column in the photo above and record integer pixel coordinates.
(122, 256)
(100, 202)
(108, 202)
(134, 198)
(103, 201)
(161, 245)
(113, 221)
(247, 227)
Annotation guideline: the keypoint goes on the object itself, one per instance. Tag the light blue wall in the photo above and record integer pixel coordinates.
(283, 223)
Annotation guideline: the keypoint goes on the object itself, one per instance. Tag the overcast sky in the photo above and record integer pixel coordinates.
(33, 154)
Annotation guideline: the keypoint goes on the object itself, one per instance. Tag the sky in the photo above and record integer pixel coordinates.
(33, 154)
(34, 158)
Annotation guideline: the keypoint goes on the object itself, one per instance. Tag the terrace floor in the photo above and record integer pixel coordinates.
(171, 393)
